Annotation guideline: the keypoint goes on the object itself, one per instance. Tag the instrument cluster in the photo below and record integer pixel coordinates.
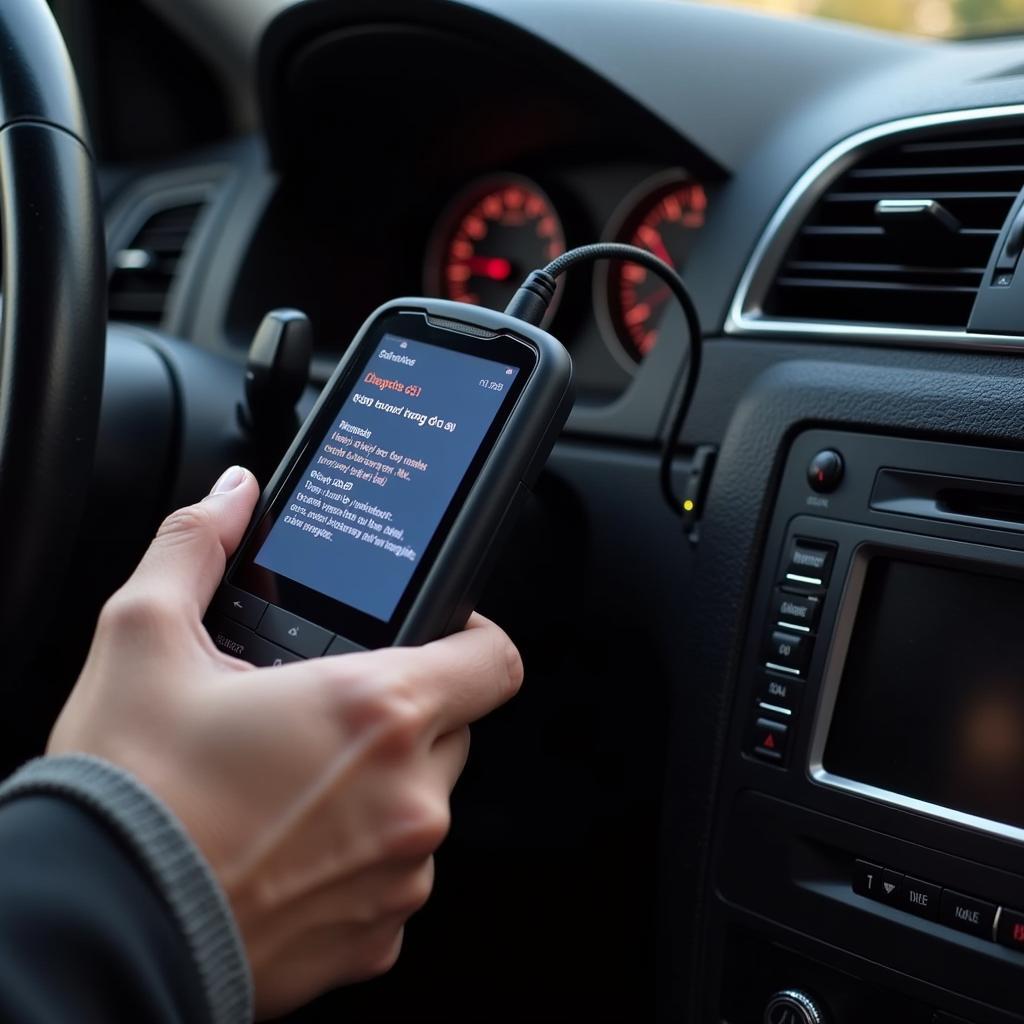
(500, 227)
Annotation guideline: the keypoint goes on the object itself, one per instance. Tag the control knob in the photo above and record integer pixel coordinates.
(791, 1006)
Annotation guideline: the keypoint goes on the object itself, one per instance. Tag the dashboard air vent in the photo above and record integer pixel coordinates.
(855, 261)
(145, 269)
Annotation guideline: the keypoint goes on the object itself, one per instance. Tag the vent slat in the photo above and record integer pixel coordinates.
(139, 294)
(920, 193)
(955, 145)
(844, 266)
(879, 232)
(892, 269)
(868, 285)
(937, 172)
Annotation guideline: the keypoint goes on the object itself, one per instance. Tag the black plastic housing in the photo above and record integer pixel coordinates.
(445, 595)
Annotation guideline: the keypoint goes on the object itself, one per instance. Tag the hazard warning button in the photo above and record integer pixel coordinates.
(769, 740)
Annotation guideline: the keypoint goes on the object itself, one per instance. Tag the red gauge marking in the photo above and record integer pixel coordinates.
(475, 227)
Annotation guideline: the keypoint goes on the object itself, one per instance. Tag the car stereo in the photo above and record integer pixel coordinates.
(871, 823)
(929, 663)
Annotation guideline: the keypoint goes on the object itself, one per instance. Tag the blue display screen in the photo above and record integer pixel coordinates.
(380, 481)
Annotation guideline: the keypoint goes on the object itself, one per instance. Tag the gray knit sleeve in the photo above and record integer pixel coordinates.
(174, 863)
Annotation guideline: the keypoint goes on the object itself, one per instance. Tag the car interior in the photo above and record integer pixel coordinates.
(768, 761)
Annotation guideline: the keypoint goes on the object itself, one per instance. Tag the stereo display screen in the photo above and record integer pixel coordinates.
(931, 700)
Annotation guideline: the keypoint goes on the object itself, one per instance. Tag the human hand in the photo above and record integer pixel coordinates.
(317, 791)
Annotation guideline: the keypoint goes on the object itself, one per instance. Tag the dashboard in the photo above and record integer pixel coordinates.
(477, 238)
(703, 717)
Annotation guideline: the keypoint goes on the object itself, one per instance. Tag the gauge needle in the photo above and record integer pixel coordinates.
(653, 242)
(492, 267)
(662, 253)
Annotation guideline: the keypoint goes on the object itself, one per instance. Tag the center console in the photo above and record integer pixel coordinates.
(867, 862)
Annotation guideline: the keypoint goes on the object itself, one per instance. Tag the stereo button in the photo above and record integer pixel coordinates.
(966, 914)
(809, 563)
(920, 898)
(867, 879)
(799, 610)
(781, 692)
(788, 651)
(891, 890)
(769, 740)
(825, 471)
(1010, 929)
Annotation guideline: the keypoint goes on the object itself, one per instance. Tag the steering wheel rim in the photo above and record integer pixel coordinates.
(52, 326)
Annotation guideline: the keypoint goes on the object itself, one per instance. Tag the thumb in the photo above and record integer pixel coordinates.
(186, 559)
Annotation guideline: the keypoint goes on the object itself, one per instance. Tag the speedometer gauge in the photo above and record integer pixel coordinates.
(495, 232)
(663, 216)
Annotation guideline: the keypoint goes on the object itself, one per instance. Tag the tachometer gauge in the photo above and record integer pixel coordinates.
(663, 216)
(494, 233)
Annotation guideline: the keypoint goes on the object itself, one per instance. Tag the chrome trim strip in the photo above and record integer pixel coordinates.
(908, 803)
(745, 316)
(781, 668)
(995, 924)
(793, 625)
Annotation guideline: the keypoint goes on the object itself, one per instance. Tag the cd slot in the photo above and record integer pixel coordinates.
(952, 499)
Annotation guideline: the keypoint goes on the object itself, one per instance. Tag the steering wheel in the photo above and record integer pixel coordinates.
(53, 329)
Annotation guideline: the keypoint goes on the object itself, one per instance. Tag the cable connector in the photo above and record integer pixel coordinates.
(533, 299)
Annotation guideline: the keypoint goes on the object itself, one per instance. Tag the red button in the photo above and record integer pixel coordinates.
(769, 740)
(1010, 932)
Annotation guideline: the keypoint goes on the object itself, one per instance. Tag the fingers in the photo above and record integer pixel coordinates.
(385, 892)
(450, 682)
(466, 675)
(326, 958)
(186, 560)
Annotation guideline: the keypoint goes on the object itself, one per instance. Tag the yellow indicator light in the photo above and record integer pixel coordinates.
(688, 505)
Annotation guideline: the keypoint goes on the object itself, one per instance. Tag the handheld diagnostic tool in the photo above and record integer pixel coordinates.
(378, 526)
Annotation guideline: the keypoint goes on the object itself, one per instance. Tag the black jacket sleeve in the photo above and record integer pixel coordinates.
(108, 910)
(85, 936)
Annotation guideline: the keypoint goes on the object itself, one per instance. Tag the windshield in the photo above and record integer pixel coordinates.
(944, 19)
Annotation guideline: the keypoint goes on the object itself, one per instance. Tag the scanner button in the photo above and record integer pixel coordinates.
(243, 643)
(238, 605)
(339, 645)
(298, 635)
